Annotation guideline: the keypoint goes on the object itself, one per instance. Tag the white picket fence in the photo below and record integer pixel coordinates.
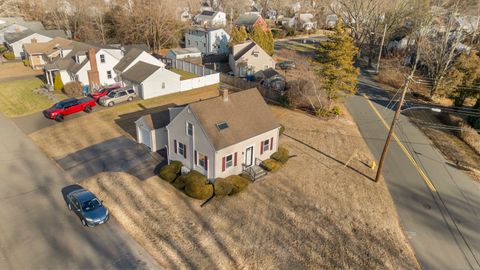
(198, 82)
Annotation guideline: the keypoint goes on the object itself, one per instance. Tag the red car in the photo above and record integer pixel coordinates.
(69, 106)
(103, 92)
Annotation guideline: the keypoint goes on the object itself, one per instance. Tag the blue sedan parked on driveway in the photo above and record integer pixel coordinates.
(88, 208)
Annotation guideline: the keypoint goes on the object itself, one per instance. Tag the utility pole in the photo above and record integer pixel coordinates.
(381, 48)
(394, 121)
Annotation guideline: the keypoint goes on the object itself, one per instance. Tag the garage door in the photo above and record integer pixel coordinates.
(145, 137)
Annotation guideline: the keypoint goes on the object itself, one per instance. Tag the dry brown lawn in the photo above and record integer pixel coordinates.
(314, 213)
(91, 129)
(17, 69)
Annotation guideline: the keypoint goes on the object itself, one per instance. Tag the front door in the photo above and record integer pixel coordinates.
(249, 156)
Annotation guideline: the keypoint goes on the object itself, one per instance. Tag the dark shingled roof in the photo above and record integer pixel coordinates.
(128, 59)
(16, 36)
(241, 112)
(244, 50)
(139, 72)
(157, 120)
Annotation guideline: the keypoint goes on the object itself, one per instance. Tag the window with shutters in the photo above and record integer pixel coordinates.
(266, 145)
(229, 161)
(202, 160)
(181, 149)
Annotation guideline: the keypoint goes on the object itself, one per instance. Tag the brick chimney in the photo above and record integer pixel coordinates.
(225, 94)
(33, 40)
(93, 75)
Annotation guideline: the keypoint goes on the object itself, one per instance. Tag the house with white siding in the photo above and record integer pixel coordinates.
(211, 18)
(217, 137)
(15, 40)
(208, 40)
(131, 58)
(248, 58)
(150, 80)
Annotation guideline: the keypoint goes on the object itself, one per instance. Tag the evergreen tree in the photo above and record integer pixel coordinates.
(462, 78)
(336, 56)
(237, 36)
(264, 39)
(58, 84)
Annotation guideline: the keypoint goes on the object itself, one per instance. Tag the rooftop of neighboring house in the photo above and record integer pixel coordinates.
(247, 19)
(184, 51)
(46, 47)
(33, 25)
(204, 29)
(16, 36)
(157, 120)
(207, 15)
(232, 118)
(68, 62)
(128, 59)
(241, 49)
(306, 17)
(268, 73)
(139, 72)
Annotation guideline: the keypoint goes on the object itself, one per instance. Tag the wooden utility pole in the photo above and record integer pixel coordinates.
(381, 47)
(395, 117)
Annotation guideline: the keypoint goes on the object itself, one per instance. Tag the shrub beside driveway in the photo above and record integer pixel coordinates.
(313, 213)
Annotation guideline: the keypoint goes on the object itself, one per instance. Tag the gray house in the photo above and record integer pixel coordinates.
(248, 58)
(218, 137)
(16, 40)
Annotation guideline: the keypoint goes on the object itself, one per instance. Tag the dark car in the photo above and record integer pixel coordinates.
(103, 92)
(286, 65)
(88, 207)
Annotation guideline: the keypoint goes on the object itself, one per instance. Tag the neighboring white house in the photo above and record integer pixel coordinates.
(248, 58)
(211, 18)
(181, 53)
(218, 137)
(17, 24)
(306, 21)
(75, 65)
(16, 40)
(132, 57)
(151, 80)
(331, 20)
(208, 40)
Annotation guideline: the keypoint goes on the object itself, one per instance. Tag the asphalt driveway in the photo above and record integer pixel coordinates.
(37, 230)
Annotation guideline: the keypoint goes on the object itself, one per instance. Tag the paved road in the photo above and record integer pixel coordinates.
(440, 213)
(37, 231)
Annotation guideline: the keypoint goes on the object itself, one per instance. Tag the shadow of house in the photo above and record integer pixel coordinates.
(127, 121)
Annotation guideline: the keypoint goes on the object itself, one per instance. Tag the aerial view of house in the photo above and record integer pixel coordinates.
(248, 58)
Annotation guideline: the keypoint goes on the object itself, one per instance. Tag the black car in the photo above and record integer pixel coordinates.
(286, 65)
(88, 208)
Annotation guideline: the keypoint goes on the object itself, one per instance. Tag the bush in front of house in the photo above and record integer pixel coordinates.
(58, 83)
(281, 155)
(170, 172)
(271, 165)
(222, 187)
(180, 182)
(238, 183)
(73, 89)
(324, 112)
(9, 55)
(26, 62)
(197, 186)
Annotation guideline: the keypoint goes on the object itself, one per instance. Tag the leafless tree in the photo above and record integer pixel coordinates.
(9, 8)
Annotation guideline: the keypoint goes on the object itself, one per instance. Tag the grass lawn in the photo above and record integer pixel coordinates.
(17, 98)
(17, 69)
(301, 47)
(313, 213)
(184, 75)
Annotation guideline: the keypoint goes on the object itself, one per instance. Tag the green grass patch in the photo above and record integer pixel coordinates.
(17, 97)
(184, 74)
(301, 47)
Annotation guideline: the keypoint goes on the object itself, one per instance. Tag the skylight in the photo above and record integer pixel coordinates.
(222, 125)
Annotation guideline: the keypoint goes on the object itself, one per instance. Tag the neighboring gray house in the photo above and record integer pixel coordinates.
(15, 40)
(151, 80)
(16, 25)
(132, 57)
(208, 40)
(217, 137)
(211, 18)
(182, 53)
(248, 58)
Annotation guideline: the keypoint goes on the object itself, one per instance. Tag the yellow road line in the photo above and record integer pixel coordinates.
(404, 149)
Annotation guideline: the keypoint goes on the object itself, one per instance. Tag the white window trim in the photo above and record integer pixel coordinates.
(186, 129)
(181, 153)
(267, 144)
(104, 60)
(198, 160)
(226, 161)
(109, 74)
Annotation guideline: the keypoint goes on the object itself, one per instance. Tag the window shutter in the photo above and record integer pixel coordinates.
(175, 146)
(261, 148)
(235, 159)
(195, 156)
(185, 151)
(223, 164)
(271, 144)
(206, 163)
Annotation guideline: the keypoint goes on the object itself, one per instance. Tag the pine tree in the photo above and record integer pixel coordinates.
(462, 78)
(237, 36)
(336, 56)
(58, 84)
(263, 38)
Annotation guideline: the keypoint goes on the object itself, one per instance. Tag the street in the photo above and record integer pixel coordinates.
(37, 230)
(438, 204)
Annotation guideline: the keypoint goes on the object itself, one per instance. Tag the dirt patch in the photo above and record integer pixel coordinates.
(312, 213)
